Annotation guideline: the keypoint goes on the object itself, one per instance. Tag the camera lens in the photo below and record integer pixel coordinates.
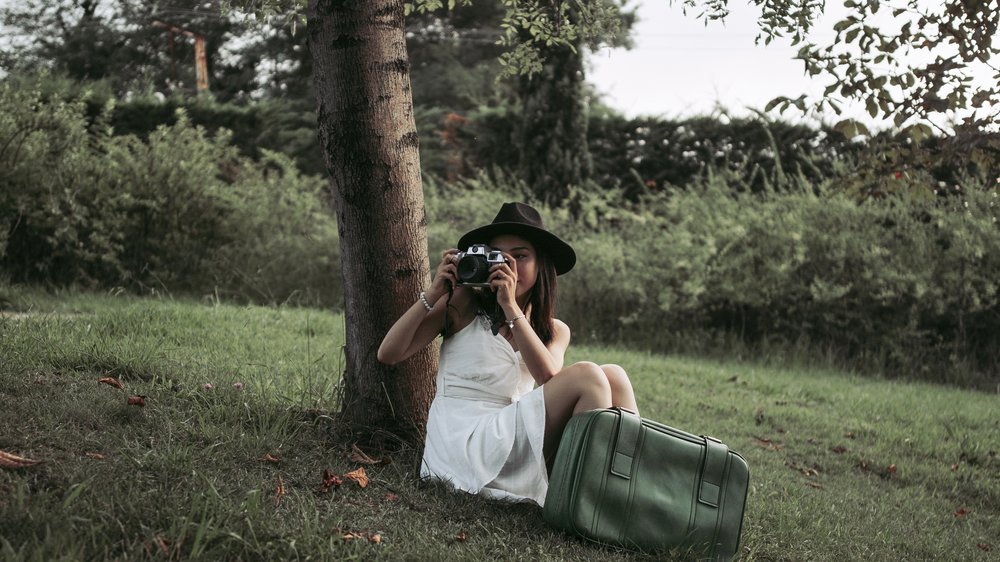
(473, 269)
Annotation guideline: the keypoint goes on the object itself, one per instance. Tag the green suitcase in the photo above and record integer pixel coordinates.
(635, 483)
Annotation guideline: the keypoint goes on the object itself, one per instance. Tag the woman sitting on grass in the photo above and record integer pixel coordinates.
(490, 429)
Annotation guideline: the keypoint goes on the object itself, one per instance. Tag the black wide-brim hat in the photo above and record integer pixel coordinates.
(524, 221)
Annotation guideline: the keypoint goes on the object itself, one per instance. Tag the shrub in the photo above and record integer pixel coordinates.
(178, 211)
(903, 285)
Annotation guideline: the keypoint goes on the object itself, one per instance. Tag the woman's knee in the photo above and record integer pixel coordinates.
(617, 377)
(581, 386)
(589, 374)
(622, 393)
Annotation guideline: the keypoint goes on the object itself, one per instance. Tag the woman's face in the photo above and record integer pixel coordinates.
(525, 259)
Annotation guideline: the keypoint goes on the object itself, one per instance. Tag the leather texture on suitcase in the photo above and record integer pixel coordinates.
(627, 481)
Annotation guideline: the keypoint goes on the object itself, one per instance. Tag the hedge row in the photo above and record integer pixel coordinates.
(905, 286)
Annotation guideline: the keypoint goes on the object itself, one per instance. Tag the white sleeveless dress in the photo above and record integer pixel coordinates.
(487, 422)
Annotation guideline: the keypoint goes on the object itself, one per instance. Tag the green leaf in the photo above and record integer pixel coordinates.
(770, 105)
(919, 132)
(851, 128)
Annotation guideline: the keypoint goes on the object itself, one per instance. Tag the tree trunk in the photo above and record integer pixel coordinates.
(368, 134)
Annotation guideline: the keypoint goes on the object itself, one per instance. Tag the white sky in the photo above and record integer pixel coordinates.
(679, 67)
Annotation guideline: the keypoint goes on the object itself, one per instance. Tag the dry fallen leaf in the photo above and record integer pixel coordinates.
(10, 460)
(767, 443)
(269, 458)
(839, 449)
(375, 538)
(461, 536)
(890, 471)
(962, 512)
(816, 485)
(111, 381)
(330, 480)
(94, 455)
(279, 491)
(985, 547)
(391, 497)
(351, 535)
(136, 400)
(358, 476)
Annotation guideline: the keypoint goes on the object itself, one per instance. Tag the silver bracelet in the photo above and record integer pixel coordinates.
(423, 299)
(510, 323)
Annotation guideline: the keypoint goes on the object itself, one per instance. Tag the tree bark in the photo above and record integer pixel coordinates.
(368, 134)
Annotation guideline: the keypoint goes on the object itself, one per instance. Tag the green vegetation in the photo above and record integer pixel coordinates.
(842, 467)
(180, 210)
(743, 260)
(902, 287)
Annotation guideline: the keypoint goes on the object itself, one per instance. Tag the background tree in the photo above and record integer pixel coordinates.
(912, 68)
(454, 57)
(553, 98)
(116, 40)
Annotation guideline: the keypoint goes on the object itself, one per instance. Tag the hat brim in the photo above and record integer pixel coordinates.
(561, 253)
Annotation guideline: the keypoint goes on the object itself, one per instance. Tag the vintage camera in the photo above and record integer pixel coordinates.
(474, 265)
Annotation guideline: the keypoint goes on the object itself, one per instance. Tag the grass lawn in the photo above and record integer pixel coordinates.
(842, 467)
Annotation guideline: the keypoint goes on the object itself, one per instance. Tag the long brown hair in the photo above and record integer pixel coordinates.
(543, 298)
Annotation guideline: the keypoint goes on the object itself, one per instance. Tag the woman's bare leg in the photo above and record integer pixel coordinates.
(577, 388)
(622, 394)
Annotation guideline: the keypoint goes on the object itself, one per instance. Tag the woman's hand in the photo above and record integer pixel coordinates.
(503, 281)
(445, 276)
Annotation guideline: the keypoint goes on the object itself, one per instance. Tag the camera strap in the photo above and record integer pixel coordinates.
(447, 306)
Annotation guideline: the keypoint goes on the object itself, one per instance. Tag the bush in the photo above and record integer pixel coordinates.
(886, 285)
(179, 211)
(900, 286)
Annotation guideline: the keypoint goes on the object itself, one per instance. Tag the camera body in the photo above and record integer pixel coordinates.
(474, 265)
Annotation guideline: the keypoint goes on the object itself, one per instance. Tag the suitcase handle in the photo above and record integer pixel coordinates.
(713, 467)
(712, 471)
(629, 423)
